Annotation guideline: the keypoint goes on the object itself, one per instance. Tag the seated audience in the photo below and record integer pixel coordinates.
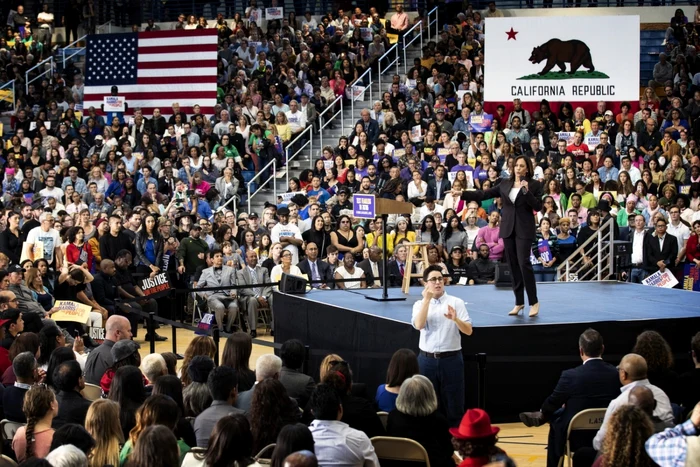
(416, 417)
(72, 406)
(292, 438)
(475, 439)
(402, 366)
(230, 444)
(102, 422)
(222, 384)
(298, 385)
(34, 439)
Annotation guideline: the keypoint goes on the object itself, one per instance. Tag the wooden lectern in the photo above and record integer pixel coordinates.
(384, 207)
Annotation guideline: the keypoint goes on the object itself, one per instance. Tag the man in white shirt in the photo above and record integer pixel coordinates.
(638, 274)
(633, 372)
(335, 443)
(634, 173)
(221, 128)
(51, 190)
(679, 230)
(296, 119)
(43, 241)
(287, 234)
(430, 207)
(440, 318)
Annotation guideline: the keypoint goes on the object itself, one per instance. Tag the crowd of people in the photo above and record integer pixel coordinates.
(90, 207)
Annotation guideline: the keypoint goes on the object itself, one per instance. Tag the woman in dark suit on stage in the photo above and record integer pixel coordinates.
(520, 196)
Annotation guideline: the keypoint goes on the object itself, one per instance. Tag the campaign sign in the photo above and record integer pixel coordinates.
(156, 286)
(442, 154)
(97, 334)
(114, 104)
(481, 123)
(691, 278)
(544, 250)
(71, 311)
(555, 58)
(207, 322)
(661, 279)
(274, 13)
(363, 206)
(287, 197)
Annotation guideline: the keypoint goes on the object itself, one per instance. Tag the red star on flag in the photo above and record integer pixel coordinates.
(511, 34)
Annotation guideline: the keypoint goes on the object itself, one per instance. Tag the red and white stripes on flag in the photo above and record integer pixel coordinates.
(170, 67)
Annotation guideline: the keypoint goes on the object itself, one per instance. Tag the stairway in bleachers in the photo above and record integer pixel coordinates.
(650, 47)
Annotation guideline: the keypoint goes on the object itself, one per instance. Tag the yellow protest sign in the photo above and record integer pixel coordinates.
(71, 311)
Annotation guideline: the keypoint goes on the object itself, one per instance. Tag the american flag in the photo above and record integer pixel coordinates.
(153, 69)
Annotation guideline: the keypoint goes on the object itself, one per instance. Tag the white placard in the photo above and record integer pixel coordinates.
(274, 13)
(256, 15)
(286, 197)
(366, 34)
(661, 279)
(525, 54)
(114, 104)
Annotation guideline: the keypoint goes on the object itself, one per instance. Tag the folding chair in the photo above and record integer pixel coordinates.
(399, 449)
(384, 417)
(7, 462)
(265, 318)
(92, 392)
(589, 419)
(265, 454)
(9, 429)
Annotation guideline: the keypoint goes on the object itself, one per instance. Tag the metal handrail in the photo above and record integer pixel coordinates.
(322, 124)
(108, 25)
(272, 163)
(395, 48)
(8, 85)
(75, 53)
(309, 143)
(26, 74)
(603, 240)
(430, 23)
(352, 89)
(405, 45)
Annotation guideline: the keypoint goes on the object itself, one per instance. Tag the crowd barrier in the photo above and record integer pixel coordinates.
(480, 359)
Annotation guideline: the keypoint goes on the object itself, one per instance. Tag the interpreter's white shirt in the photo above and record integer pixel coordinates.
(663, 408)
(440, 334)
(335, 443)
(638, 247)
(680, 231)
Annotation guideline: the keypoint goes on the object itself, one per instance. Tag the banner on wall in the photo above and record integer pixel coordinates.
(552, 57)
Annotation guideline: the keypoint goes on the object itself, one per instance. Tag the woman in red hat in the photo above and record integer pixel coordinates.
(475, 439)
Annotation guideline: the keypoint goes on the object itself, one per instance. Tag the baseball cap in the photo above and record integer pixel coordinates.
(99, 137)
(456, 247)
(609, 112)
(11, 314)
(283, 211)
(252, 215)
(16, 268)
(196, 226)
(123, 349)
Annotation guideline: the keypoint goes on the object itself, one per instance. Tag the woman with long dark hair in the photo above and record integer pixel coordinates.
(10, 242)
(520, 196)
(128, 390)
(318, 235)
(149, 247)
(270, 410)
(237, 350)
(230, 445)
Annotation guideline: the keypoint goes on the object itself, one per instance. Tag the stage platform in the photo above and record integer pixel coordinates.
(524, 356)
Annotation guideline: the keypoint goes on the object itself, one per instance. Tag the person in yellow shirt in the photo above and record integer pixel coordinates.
(401, 232)
(375, 237)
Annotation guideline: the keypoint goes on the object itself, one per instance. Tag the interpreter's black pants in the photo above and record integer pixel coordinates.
(518, 252)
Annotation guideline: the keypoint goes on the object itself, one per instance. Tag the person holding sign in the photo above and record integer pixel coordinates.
(520, 195)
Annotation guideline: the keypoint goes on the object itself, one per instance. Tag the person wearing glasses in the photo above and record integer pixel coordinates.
(441, 318)
(285, 266)
(660, 248)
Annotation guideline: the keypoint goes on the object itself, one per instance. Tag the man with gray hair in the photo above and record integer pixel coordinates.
(153, 367)
(43, 242)
(267, 366)
(67, 456)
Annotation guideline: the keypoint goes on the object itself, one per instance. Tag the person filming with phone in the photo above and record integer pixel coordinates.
(441, 318)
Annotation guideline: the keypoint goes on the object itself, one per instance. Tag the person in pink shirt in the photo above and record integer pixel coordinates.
(488, 235)
(399, 22)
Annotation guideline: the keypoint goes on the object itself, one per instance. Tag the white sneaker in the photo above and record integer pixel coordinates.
(663, 44)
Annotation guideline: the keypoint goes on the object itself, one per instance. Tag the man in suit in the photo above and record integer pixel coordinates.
(591, 385)
(219, 301)
(315, 269)
(660, 249)
(166, 184)
(309, 109)
(223, 386)
(373, 267)
(72, 407)
(298, 385)
(397, 267)
(26, 371)
(253, 298)
(370, 126)
(438, 186)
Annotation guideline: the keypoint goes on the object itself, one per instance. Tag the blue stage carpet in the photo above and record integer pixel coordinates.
(560, 303)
